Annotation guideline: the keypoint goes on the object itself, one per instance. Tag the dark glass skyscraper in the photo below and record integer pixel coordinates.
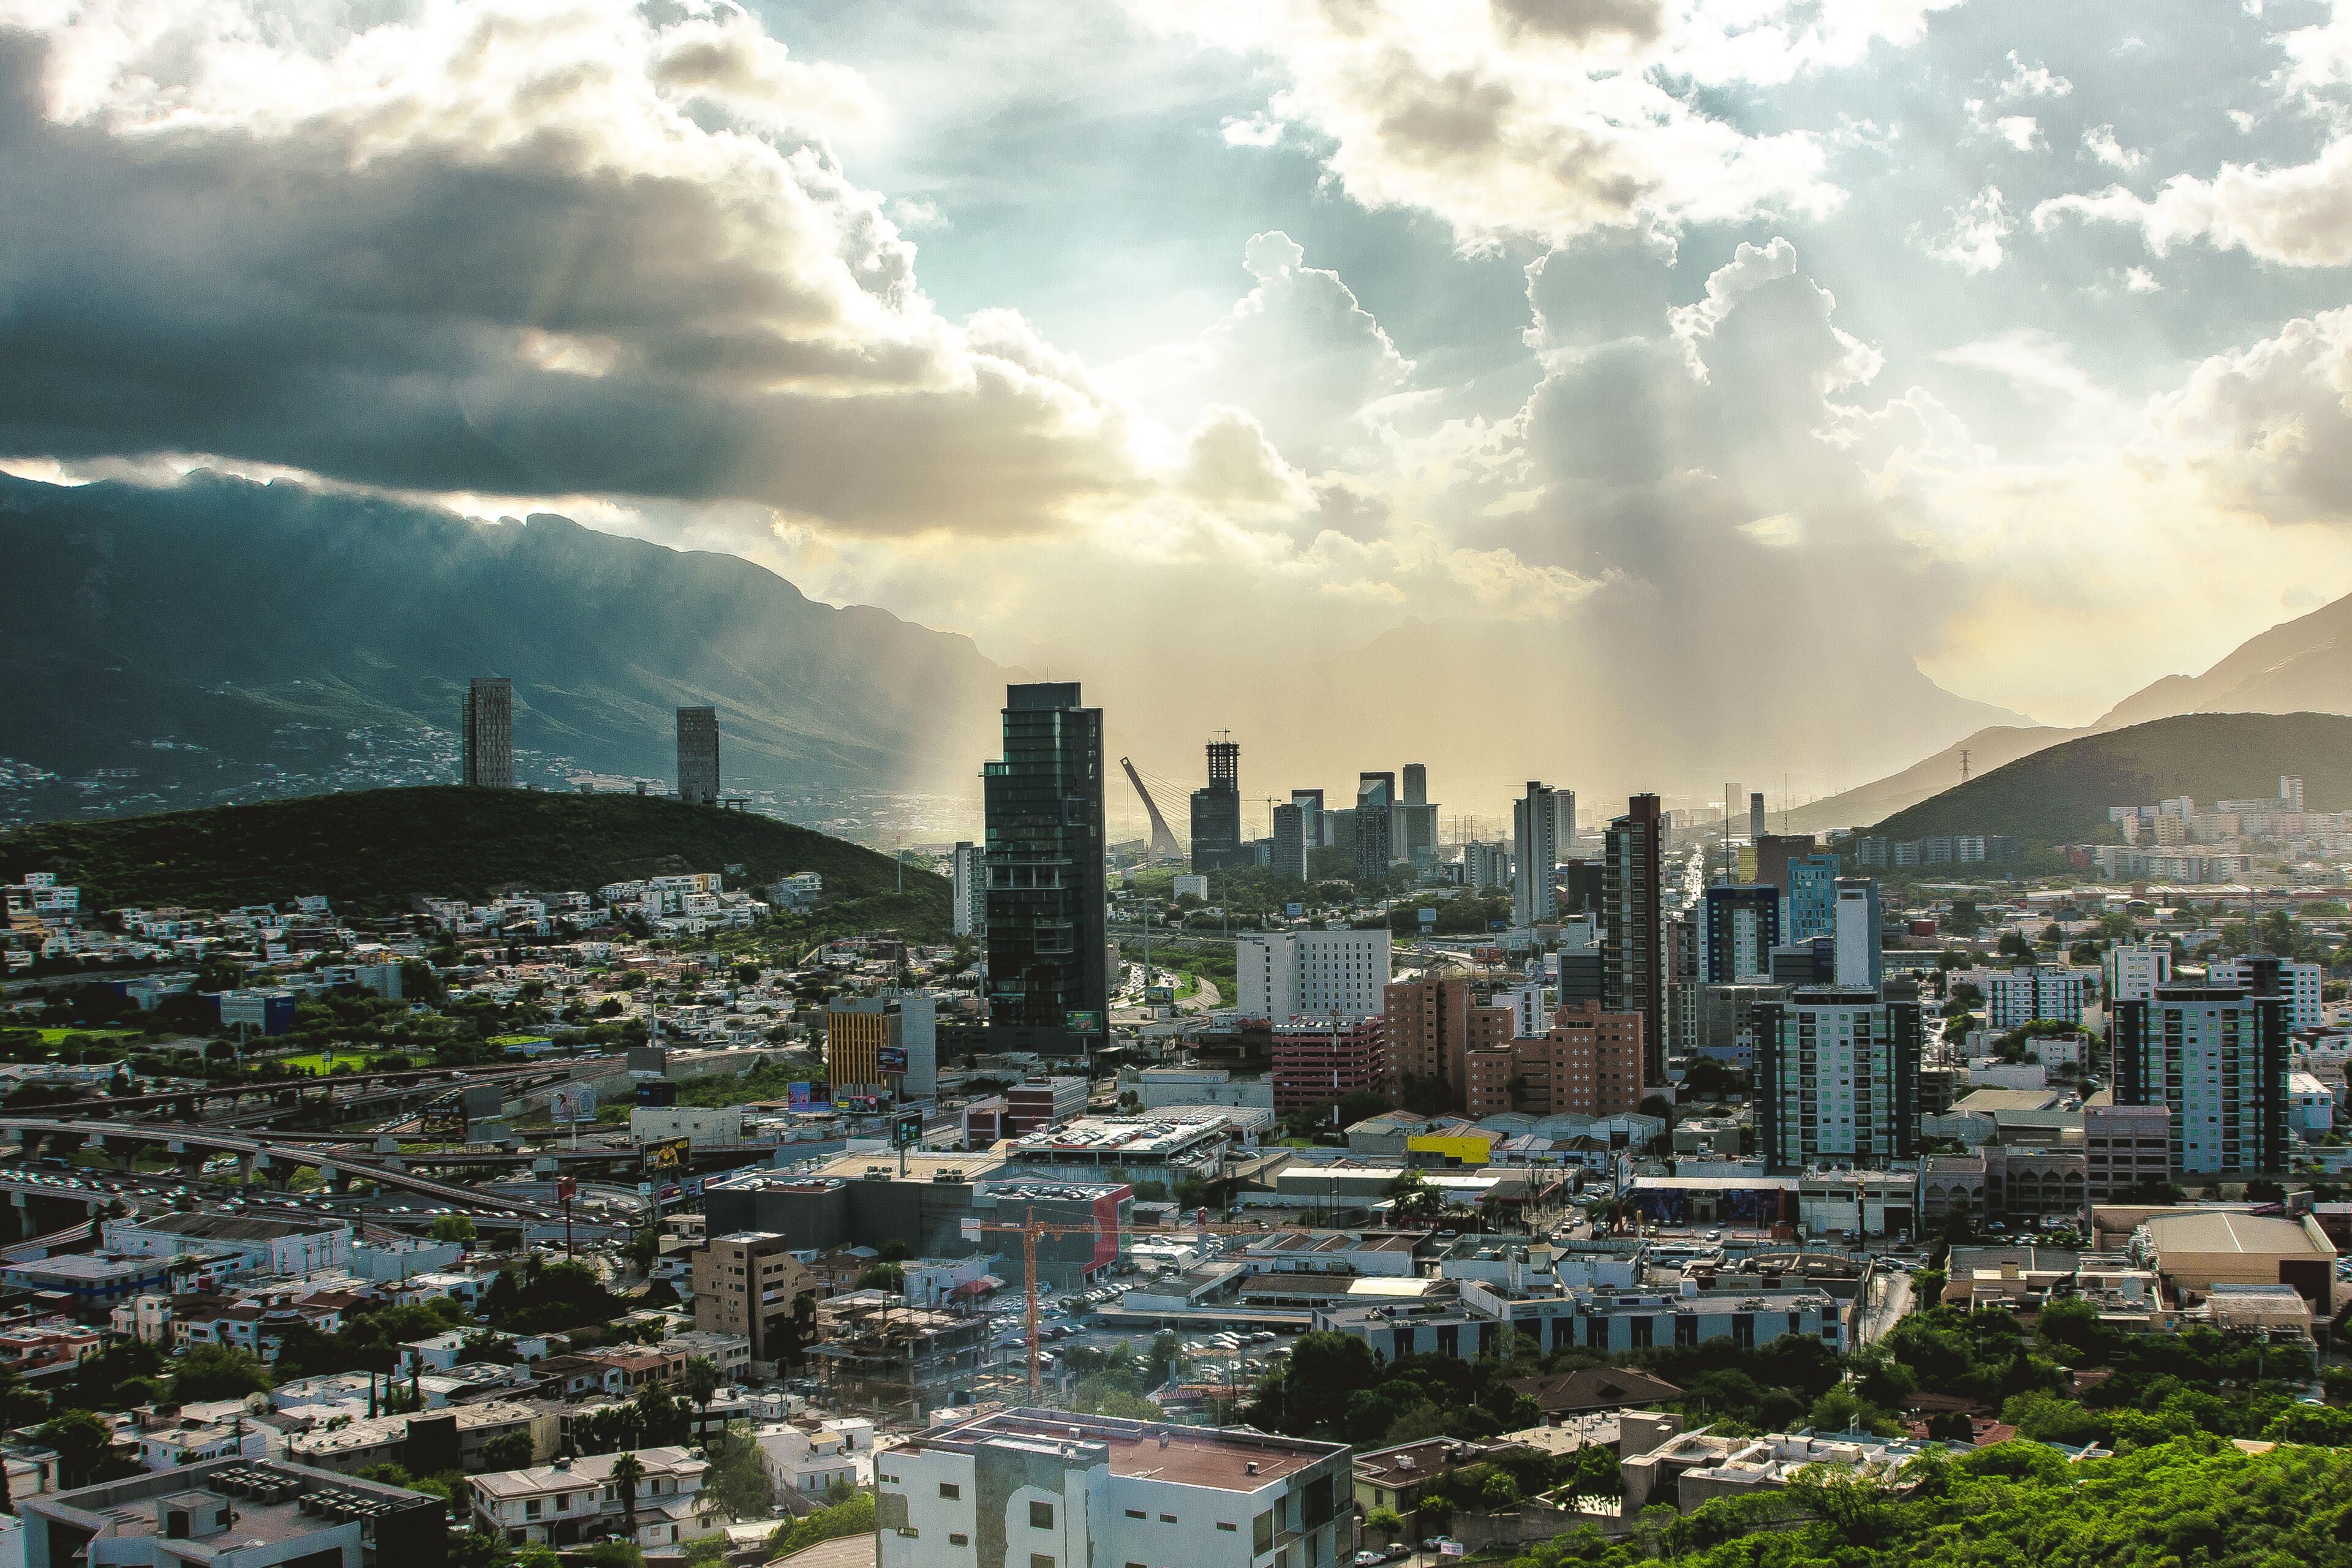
(1631, 864)
(1375, 843)
(1048, 978)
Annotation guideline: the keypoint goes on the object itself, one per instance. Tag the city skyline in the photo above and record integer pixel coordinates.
(1621, 348)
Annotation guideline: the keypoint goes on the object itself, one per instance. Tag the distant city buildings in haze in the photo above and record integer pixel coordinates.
(1375, 825)
(1755, 817)
(489, 738)
(1287, 859)
(1048, 972)
(698, 755)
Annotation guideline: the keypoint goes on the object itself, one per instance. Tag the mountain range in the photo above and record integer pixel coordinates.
(2302, 665)
(225, 619)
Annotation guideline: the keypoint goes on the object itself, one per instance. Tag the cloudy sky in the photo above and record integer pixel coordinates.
(1622, 392)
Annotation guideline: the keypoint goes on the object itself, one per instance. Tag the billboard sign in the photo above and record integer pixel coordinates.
(566, 1188)
(893, 1059)
(1082, 1022)
(576, 1104)
(907, 1130)
(670, 1155)
(796, 1096)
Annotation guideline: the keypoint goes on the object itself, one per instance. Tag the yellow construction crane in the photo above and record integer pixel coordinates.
(1029, 1231)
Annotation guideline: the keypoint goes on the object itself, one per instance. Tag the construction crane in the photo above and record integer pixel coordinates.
(1163, 842)
(1029, 1230)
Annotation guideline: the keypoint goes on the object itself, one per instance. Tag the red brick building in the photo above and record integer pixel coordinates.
(1315, 1064)
(1589, 1063)
(1433, 1024)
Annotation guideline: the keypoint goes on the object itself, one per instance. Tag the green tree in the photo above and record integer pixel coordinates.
(457, 1227)
(85, 1447)
(855, 1517)
(507, 1451)
(627, 1473)
(217, 1372)
(737, 1486)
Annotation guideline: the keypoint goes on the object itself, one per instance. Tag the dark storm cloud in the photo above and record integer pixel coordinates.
(530, 317)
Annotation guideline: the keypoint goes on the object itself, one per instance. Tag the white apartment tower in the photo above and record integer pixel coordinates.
(1311, 974)
(971, 875)
(2298, 982)
(1535, 850)
(2130, 972)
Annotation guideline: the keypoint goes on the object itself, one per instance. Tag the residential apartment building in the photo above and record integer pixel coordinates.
(2131, 972)
(1589, 1063)
(1052, 1489)
(1535, 850)
(575, 1501)
(2299, 982)
(1632, 862)
(744, 1283)
(1837, 1079)
(1813, 882)
(1855, 933)
(1316, 1063)
(2215, 1056)
(1743, 926)
(968, 872)
(1310, 975)
(1430, 1025)
(2030, 994)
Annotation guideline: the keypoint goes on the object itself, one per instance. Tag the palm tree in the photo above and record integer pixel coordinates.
(701, 1381)
(626, 1474)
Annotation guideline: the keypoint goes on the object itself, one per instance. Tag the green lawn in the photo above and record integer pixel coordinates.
(58, 1036)
(324, 1061)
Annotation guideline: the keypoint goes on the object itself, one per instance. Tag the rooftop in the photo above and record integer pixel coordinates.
(273, 1502)
(2233, 1230)
(230, 1227)
(1185, 1456)
(588, 1470)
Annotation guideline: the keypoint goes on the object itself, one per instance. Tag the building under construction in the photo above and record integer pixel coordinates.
(881, 1355)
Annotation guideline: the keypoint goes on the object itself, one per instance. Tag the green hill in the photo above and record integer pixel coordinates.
(376, 848)
(2061, 795)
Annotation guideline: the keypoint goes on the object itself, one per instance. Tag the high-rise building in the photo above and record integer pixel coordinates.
(2299, 982)
(1633, 865)
(1743, 926)
(1485, 865)
(1755, 817)
(1856, 928)
(1534, 852)
(1812, 885)
(1417, 835)
(1774, 851)
(2130, 972)
(970, 877)
(1685, 989)
(2215, 1056)
(1375, 823)
(1289, 860)
(1589, 1063)
(2029, 993)
(1563, 833)
(1310, 803)
(698, 755)
(1837, 1079)
(1430, 1025)
(489, 732)
(1048, 978)
(1283, 975)
(1416, 784)
(1217, 812)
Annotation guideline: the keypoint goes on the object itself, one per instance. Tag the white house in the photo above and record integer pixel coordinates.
(574, 1500)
